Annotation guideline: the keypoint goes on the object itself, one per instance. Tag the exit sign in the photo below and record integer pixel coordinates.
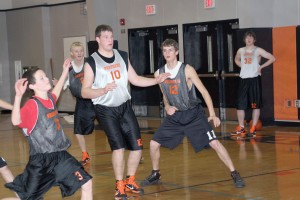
(150, 10)
(209, 4)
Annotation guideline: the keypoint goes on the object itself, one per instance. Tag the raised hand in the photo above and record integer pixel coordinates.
(21, 86)
(67, 64)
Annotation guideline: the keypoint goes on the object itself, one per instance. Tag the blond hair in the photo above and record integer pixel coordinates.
(76, 44)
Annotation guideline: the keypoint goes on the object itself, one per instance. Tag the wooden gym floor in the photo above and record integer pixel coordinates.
(269, 165)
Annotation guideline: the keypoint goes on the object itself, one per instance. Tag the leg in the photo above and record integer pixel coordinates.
(133, 162)
(255, 116)
(81, 142)
(241, 117)
(155, 154)
(6, 174)
(85, 156)
(118, 163)
(154, 177)
(222, 153)
(87, 191)
(224, 156)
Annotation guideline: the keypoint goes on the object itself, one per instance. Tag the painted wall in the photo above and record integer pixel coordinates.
(4, 61)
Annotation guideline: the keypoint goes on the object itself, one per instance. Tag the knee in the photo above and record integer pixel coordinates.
(154, 145)
(87, 187)
(215, 144)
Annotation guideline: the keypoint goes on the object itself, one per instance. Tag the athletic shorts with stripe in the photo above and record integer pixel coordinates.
(2, 162)
(191, 123)
(120, 125)
(44, 171)
(84, 117)
(249, 94)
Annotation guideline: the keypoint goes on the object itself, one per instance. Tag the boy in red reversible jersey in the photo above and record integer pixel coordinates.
(49, 162)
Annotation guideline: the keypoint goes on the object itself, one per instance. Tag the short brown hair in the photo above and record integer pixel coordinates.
(251, 34)
(102, 28)
(170, 43)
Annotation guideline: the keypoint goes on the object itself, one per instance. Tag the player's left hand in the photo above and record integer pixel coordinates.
(161, 77)
(215, 119)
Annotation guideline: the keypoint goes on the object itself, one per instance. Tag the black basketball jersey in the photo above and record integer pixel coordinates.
(75, 82)
(47, 135)
(177, 92)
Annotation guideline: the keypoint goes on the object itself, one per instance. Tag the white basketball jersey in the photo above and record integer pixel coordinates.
(249, 63)
(107, 73)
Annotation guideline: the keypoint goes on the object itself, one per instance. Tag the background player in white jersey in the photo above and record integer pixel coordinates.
(84, 114)
(185, 115)
(250, 91)
(106, 77)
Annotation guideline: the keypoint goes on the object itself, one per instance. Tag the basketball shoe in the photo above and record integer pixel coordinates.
(131, 186)
(239, 130)
(252, 132)
(85, 158)
(237, 179)
(120, 191)
(152, 179)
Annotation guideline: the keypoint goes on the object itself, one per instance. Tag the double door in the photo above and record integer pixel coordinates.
(146, 57)
(210, 48)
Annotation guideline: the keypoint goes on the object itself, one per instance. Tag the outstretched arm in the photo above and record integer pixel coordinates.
(5, 105)
(59, 85)
(193, 76)
(141, 81)
(20, 87)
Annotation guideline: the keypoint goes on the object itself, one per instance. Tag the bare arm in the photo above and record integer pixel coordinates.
(5, 105)
(60, 83)
(20, 87)
(87, 91)
(141, 81)
(237, 58)
(270, 58)
(193, 76)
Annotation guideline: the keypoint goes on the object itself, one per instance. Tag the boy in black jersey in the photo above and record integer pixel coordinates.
(185, 115)
(84, 115)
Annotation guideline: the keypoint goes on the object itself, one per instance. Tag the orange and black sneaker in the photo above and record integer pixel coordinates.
(131, 186)
(239, 130)
(85, 158)
(120, 190)
(252, 132)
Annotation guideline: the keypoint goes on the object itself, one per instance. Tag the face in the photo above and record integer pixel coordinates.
(42, 82)
(249, 40)
(77, 53)
(170, 53)
(106, 40)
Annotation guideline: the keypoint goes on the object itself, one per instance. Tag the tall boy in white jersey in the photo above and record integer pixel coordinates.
(106, 76)
(185, 115)
(250, 90)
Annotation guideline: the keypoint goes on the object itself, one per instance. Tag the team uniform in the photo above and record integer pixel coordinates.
(84, 115)
(249, 92)
(49, 162)
(114, 109)
(2, 162)
(189, 120)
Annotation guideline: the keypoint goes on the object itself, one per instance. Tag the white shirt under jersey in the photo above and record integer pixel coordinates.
(173, 71)
(107, 73)
(249, 63)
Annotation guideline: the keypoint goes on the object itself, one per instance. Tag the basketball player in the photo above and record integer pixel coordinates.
(250, 91)
(106, 77)
(84, 115)
(185, 115)
(49, 162)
